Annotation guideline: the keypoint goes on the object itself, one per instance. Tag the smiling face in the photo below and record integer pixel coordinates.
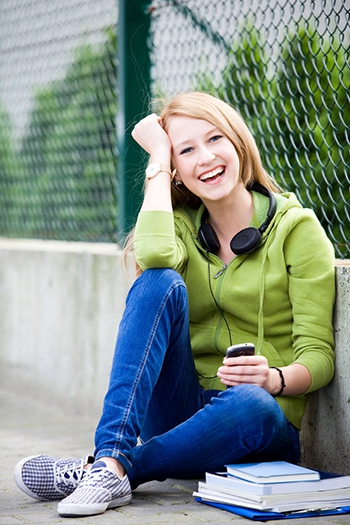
(205, 159)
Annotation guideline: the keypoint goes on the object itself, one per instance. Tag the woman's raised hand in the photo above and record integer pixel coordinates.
(150, 135)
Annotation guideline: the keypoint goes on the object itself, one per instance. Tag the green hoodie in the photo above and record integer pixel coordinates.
(280, 297)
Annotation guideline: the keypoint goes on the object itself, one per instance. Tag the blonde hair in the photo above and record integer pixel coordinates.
(203, 106)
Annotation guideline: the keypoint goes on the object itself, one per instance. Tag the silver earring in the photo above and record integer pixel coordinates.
(178, 183)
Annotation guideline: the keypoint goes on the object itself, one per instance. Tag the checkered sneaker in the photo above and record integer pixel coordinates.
(100, 489)
(47, 478)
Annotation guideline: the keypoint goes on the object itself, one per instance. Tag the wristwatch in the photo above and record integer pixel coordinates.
(154, 169)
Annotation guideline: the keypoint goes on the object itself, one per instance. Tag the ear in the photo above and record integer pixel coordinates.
(177, 178)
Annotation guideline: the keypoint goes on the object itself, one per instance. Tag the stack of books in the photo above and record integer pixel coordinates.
(275, 488)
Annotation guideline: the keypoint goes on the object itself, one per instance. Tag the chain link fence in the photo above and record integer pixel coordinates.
(58, 79)
(284, 64)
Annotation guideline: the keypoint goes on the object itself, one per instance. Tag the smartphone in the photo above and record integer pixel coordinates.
(241, 349)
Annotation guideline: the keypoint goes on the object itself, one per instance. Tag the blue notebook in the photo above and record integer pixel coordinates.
(260, 515)
(272, 472)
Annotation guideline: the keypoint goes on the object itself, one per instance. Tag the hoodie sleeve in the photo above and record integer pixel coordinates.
(155, 242)
(310, 265)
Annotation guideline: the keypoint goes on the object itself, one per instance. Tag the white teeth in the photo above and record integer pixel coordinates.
(211, 174)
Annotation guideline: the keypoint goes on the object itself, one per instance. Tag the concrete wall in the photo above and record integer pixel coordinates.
(325, 436)
(60, 306)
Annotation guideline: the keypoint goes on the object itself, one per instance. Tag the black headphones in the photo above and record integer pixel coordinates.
(245, 241)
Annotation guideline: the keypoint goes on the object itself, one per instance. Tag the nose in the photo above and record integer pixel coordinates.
(206, 156)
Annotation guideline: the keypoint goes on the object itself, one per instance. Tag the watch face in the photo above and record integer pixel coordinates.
(152, 169)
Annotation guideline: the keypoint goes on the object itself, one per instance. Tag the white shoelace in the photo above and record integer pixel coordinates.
(69, 474)
(97, 476)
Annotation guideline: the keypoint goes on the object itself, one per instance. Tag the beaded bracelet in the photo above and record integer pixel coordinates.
(283, 383)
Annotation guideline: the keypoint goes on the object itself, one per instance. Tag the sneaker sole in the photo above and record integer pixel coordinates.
(70, 510)
(19, 479)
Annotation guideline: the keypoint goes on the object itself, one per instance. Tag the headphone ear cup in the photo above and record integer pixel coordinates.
(208, 238)
(246, 241)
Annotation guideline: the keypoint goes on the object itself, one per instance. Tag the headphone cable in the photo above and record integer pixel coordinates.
(216, 302)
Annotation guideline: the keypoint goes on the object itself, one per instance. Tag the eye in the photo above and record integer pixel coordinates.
(185, 150)
(215, 138)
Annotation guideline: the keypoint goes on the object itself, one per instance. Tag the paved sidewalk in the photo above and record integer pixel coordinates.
(30, 427)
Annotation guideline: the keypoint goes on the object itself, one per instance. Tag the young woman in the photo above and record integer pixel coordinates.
(225, 259)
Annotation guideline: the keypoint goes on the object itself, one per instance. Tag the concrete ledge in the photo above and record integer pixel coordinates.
(325, 436)
(60, 307)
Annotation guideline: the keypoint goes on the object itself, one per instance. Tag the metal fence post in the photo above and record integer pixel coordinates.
(133, 96)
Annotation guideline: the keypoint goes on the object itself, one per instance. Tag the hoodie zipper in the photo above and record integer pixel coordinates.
(221, 271)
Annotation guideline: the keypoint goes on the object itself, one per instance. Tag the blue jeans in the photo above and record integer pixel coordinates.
(154, 394)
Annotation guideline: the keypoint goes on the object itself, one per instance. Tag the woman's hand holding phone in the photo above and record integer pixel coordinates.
(242, 366)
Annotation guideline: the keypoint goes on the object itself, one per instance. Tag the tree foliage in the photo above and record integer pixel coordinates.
(69, 151)
(309, 128)
(9, 174)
